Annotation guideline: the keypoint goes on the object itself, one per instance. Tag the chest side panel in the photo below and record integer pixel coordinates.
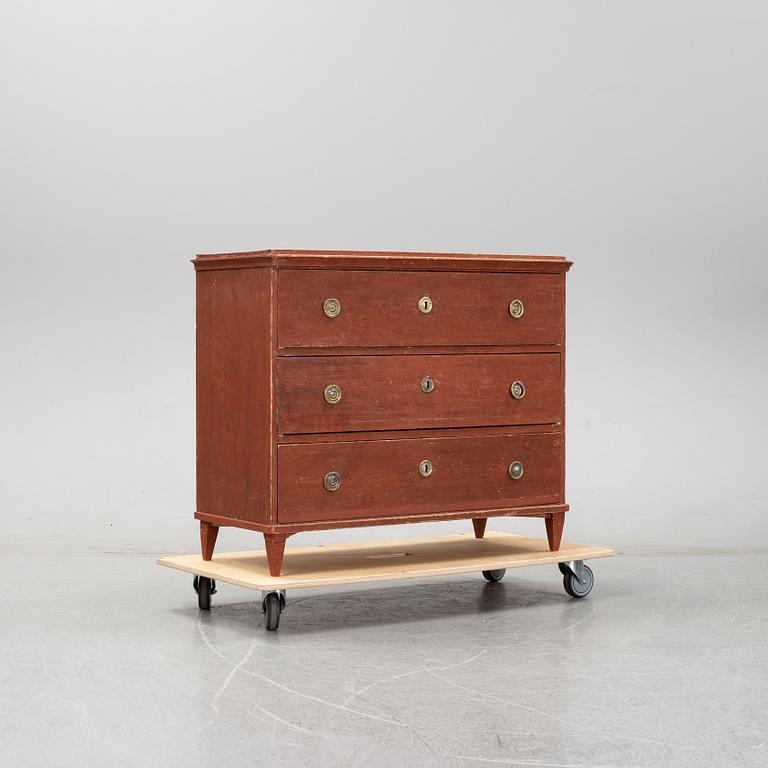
(234, 394)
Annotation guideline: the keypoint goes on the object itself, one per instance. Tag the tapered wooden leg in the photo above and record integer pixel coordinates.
(555, 530)
(275, 545)
(208, 534)
(478, 523)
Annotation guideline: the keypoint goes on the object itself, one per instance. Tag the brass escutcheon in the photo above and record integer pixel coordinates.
(331, 307)
(516, 470)
(332, 394)
(425, 468)
(332, 481)
(427, 384)
(425, 305)
(517, 390)
(516, 308)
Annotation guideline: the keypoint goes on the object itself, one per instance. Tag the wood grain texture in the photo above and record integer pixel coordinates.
(306, 567)
(383, 479)
(381, 308)
(234, 385)
(384, 392)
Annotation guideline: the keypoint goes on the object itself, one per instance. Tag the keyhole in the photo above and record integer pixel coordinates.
(427, 384)
(425, 305)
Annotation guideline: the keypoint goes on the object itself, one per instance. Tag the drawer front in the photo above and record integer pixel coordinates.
(417, 391)
(380, 309)
(388, 477)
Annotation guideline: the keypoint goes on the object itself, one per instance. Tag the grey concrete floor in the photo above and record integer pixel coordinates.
(106, 661)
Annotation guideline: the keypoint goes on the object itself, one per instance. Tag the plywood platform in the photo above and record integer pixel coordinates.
(321, 566)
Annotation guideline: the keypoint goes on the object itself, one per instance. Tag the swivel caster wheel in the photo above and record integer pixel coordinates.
(273, 605)
(204, 587)
(573, 586)
(497, 575)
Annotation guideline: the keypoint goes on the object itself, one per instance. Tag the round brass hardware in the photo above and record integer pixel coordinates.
(425, 305)
(427, 384)
(332, 481)
(516, 308)
(331, 307)
(425, 468)
(517, 390)
(516, 470)
(332, 394)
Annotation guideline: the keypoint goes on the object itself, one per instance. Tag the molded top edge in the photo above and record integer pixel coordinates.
(379, 259)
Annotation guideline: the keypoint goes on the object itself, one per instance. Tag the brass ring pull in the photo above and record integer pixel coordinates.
(428, 384)
(332, 394)
(516, 308)
(516, 470)
(332, 307)
(517, 390)
(332, 481)
(425, 468)
(425, 305)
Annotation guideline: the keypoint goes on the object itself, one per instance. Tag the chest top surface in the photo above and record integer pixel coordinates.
(378, 260)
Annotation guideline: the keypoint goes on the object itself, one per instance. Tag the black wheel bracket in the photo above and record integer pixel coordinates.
(273, 612)
(196, 584)
(494, 575)
(281, 595)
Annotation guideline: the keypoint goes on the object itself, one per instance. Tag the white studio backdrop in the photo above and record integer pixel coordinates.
(629, 137)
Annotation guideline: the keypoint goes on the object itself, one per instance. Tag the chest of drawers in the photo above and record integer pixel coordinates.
(341, 389)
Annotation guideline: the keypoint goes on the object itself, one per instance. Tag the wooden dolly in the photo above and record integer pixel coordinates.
(308, 567)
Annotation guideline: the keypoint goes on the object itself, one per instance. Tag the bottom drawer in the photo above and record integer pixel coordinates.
(417, 476)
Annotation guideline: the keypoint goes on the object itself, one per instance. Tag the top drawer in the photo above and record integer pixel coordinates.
(401, 309)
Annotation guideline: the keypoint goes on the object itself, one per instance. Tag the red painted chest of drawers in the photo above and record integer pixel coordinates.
(340, 389)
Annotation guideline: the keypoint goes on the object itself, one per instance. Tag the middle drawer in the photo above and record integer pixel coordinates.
(369, 392)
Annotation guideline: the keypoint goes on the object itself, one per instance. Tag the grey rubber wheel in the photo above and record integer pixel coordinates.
(204, 587)
(496, 575)
(272, 605)
(576, 589)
